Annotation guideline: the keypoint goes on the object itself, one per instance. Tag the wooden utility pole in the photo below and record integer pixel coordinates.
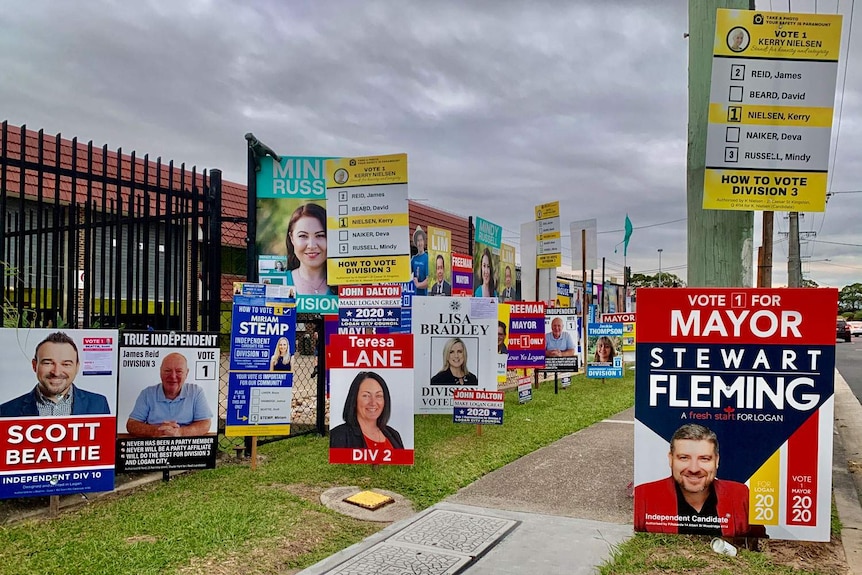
(794, 262)
(720, 246)
(764, 258)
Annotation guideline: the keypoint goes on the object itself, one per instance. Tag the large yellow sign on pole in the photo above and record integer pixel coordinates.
(770, 111)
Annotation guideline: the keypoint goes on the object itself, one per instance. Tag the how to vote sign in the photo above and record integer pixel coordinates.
(67, 447)
(263, 343)
(770, 110)
(477, 406)
(756, 368)
(368, 236)
(371, 399)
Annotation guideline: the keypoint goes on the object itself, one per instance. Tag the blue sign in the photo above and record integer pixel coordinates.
(260, 384)
(369, 317)
(479, 415)
(604, 351)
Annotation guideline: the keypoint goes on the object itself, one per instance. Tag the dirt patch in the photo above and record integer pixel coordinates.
(141, 539)
(823, 557)
(696, 558)
(310, 493)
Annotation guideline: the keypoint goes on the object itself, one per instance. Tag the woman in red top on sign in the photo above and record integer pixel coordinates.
(366, 413)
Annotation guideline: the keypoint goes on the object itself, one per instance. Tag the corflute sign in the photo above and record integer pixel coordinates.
(751, 371)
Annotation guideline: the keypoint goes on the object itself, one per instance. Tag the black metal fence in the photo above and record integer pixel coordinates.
(93, 238)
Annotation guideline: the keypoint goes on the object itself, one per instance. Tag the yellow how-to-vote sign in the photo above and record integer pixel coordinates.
(548, 261)
(770, 110)
(368, 239)
(777, 35)
(366, 171)
(549, 210)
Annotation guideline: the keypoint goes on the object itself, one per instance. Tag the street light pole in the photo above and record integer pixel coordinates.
(659, 266)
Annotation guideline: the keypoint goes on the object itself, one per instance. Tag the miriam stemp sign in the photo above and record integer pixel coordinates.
(750, 371)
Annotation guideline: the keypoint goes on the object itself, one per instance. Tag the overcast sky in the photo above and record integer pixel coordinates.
(499, 105)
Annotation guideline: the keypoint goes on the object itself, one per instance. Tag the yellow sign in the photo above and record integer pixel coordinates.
(367, 171)
(549, 210)
(547, 261)
(770, 113)
(367, 219)
(256, 430)
(777, 35)
(764, 190)
(369, 270)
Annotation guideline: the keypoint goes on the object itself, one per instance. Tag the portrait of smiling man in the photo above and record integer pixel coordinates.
(56, 363)
(692, 500)
(172, 408)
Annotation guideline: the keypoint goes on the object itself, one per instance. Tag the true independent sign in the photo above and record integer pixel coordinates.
(770, 110)
(756, 368)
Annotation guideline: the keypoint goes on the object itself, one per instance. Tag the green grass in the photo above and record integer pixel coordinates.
(235, 515)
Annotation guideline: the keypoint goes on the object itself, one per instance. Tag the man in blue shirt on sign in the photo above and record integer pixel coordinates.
(172, 408)
(558, 343)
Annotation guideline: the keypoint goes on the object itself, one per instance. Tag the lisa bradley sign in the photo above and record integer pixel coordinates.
(456, 347)
(751, 371)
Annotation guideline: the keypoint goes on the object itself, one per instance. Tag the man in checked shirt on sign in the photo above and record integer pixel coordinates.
(56, 364)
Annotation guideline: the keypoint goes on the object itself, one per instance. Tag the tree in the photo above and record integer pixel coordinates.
(644, 280)
(850, 297)
(809, 283)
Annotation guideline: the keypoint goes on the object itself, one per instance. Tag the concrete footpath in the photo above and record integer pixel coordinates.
(562, 509)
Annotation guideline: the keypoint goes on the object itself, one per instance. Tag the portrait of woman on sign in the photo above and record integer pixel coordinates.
(487, 282)
(366, 414)
(455, 370)
(280, 360)
(306, 250)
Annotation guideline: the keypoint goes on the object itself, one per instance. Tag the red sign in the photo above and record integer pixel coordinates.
(726, 316)
(370, 351)
(33, 444)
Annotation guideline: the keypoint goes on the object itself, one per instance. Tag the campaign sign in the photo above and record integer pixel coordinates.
(526, 341)
(58, 405)
(477, 406)
(604, 350)
(462, 275)
(754, 367)
(456, 347)
(369, 306)
(371, 413)
(167, 401)
(562, 339)
(525, 389)
(291, 202)
(628, 321)
(566, 381)
(368, 240)
(263, 343)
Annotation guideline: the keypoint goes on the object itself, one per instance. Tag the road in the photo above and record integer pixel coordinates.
(848, 360)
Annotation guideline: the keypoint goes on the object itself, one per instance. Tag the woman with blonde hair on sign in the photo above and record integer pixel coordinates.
(454, 370)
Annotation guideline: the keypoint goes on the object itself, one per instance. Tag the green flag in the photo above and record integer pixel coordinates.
(629, 230)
